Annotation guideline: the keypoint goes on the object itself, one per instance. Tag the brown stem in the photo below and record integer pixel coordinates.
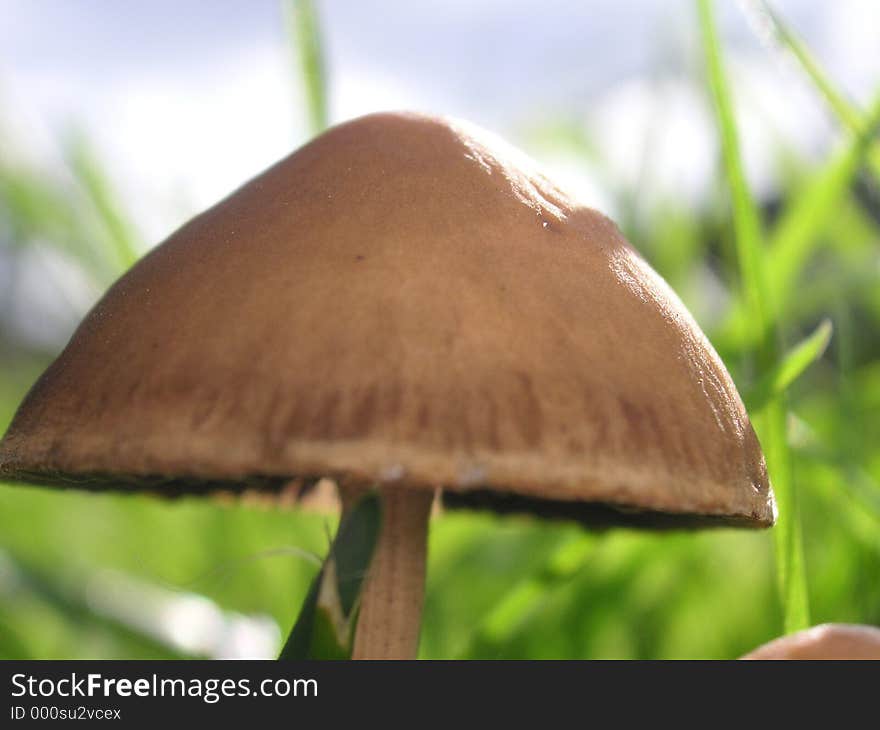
(391, 601)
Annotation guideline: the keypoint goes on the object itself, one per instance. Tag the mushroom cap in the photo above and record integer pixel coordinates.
(402, 299)
(828, 641)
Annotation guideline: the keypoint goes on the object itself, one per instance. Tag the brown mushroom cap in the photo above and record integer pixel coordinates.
(828, 641)
(400, 300)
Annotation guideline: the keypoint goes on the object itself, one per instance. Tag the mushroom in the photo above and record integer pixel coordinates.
(827, 641)
(406, 304)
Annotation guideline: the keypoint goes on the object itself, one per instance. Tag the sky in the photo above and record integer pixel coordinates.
(188, 99)
(184, 101)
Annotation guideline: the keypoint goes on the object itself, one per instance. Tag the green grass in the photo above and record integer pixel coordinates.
(787, 290)
(790, 367)
(89, 174)
(304, 35)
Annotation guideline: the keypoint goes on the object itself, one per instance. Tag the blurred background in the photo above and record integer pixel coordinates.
(119, 121)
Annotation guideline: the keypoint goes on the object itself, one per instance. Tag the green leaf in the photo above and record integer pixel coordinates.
(325, 626)
(299, 642)
(790, 368)
(354, 549)
(304, 35)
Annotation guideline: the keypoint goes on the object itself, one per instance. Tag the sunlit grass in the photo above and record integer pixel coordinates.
(770, 422)
(304, 34)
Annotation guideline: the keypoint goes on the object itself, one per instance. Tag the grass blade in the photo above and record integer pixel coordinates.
(771, 421)
(746, 220)
(776, 33)
(813, 210)
(90, 176)
(772, 426)
(779, 35)
(791, 366)
(304, 36)
(803, 220)
(38, 211)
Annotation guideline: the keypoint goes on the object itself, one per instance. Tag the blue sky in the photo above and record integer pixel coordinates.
(187, 99)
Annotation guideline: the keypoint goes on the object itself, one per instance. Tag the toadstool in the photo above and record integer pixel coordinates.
(827, 641)
(403, 303)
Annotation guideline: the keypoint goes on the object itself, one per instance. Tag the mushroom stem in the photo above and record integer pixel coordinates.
(391, 600)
